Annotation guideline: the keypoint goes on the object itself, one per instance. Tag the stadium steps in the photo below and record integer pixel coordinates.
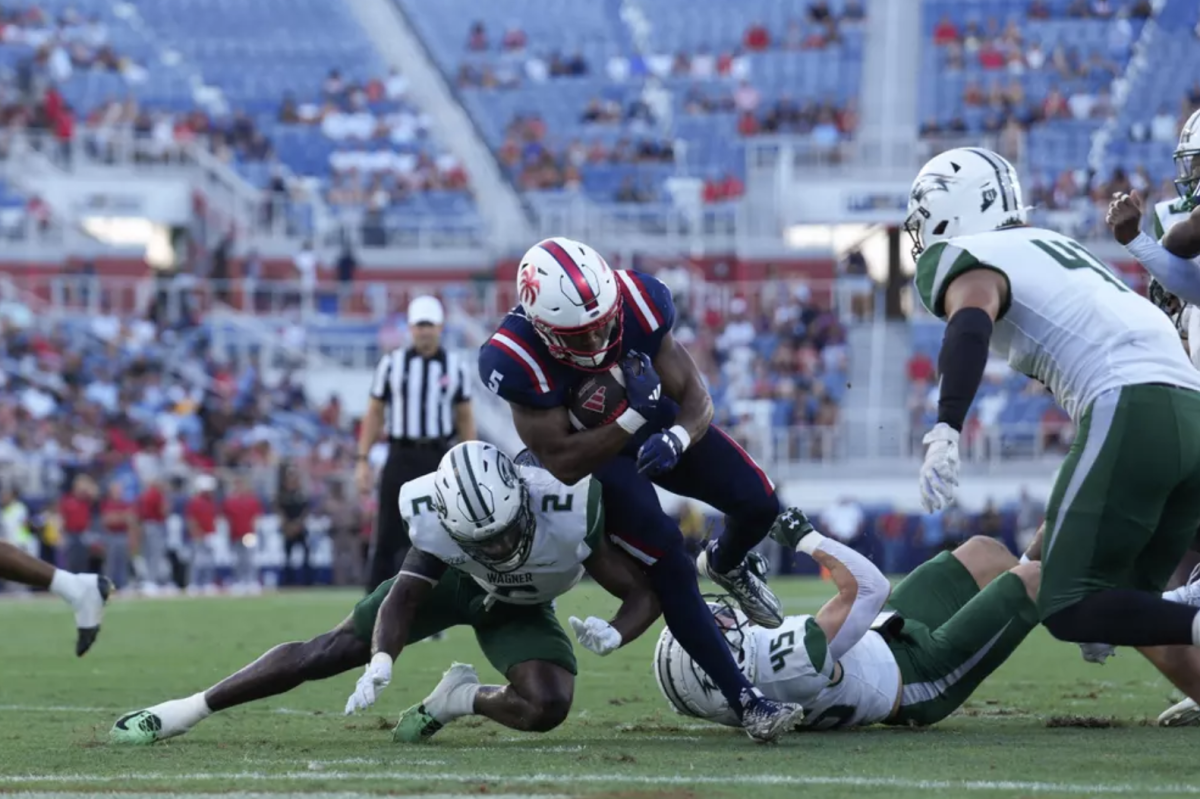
(873, 410)
(396, 40)
(890, 81)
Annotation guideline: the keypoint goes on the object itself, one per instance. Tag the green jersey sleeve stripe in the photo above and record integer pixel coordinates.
(816, 646)
(595, 514)
(927, 272)
(1158, 226)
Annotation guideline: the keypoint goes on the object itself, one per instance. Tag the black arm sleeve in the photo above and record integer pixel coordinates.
(423, 565)
(961, 362)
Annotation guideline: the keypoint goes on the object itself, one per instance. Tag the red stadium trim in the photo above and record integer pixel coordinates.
(766, 481)
(528, 361)
(564, 259)
(647, 315)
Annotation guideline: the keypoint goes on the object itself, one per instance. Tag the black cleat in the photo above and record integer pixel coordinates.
(91, 608)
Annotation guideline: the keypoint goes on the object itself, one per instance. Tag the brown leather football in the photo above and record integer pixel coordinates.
(598, 400)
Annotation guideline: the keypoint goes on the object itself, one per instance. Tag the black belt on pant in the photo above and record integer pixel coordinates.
(432, 444)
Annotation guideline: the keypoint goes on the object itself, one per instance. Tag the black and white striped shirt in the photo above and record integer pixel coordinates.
(421, 392)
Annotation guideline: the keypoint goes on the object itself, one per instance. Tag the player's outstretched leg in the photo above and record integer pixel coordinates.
(85, 593)
(718, 471)
(281, 669)
(537, 699)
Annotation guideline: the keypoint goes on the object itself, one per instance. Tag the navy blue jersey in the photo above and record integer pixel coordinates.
(516, 364)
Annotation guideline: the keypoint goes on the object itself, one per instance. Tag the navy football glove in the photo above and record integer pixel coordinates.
(659, 454)
(642, 386)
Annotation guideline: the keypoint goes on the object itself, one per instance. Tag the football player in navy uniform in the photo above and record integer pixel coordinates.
(577, 318)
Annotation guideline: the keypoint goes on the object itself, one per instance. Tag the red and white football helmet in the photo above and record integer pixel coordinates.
(570, 294)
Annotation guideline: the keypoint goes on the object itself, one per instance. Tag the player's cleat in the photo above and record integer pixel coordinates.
(764, 720)
(746, 584)
(453, 698)
(1188, 593)
(162, 721)
(416, 726)
(139, 728)
(1181, 714)
(89, 611)
(1097, 653)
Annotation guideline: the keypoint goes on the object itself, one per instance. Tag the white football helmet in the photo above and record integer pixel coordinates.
(963, 191)
(485, 506)
(1187, 165)
(570, 294)
(686, 687)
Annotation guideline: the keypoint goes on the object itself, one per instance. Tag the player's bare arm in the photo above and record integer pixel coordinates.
(418, 575)
(681, 382)
(568, 455)
(620, 575)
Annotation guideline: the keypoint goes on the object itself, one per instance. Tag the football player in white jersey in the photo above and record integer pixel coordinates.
(493, 543)
(943, 630)
(1126, 504)
(1170, 255)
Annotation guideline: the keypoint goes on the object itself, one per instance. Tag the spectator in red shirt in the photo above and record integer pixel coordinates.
(152, 528)
(76, 511)
(756, 38)
(200, 516)
(920, 368)
(945, 32)
(991, 56)
(890, 531)
(118, 521)
(731, 187)
(747, 124)
(241, 510)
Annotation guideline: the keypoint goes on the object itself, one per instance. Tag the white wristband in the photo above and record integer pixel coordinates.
(810, 543)
(382, 659)
(685, 440)
(631, 421)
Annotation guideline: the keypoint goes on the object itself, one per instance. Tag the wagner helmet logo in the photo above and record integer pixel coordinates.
(595, 403)
(528, 284)
(989, 198)
(508, 474)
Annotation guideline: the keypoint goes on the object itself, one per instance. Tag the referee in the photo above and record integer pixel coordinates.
(427, 393)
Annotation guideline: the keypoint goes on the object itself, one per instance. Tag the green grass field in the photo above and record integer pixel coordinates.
(55, 712)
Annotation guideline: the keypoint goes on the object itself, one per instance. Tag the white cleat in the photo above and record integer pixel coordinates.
(420, 722)
(1181, 714)
(1188, 593)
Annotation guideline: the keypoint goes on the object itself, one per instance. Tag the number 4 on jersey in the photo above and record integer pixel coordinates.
(1073, 255)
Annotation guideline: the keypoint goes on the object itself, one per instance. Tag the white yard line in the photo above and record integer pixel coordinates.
(245, 795)
(424, 777)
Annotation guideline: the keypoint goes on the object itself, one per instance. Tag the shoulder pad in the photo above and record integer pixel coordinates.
(514, 369)
(648, 300)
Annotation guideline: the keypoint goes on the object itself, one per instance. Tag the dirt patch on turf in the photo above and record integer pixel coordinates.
(1085, 722)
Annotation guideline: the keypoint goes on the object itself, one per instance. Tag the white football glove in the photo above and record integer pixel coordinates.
(596, 634)
(939, 472)
(1097, 653)
(374, 679)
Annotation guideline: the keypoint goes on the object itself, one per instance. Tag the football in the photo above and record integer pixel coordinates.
(598, 400)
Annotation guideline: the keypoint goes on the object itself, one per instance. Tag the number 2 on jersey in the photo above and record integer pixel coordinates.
(1073, 255)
